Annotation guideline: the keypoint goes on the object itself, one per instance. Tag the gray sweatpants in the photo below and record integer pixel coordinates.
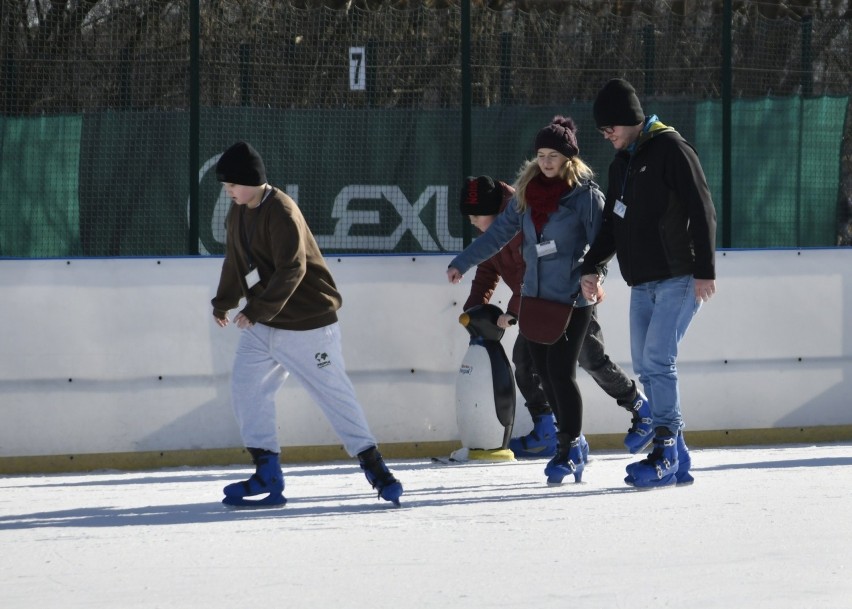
(267, 356)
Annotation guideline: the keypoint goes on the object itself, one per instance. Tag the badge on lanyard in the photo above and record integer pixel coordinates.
(545, 248)
(252, 278)
(620, 208)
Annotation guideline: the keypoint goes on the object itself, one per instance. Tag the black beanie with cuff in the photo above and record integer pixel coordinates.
(241, 164)
(617, 104)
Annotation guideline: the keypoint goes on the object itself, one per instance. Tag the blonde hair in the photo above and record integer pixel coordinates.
(574, 171)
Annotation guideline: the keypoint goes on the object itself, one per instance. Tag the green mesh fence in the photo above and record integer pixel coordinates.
(111, 122)
(39, 203)
(786, 168)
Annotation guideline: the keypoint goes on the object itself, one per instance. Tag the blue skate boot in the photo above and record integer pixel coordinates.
(682, 477)
(267, 479)
(570, 460)
(379, 476)
(660, 467)
(540, 442)
(641, 432)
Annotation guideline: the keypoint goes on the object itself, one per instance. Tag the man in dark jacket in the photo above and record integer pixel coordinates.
(660, 221)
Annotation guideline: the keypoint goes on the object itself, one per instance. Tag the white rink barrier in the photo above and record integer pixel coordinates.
(120, 357)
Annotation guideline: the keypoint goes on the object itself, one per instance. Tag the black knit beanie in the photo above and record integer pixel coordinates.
(617, 104)
(480, 197)
(241, 164)
(560, 135)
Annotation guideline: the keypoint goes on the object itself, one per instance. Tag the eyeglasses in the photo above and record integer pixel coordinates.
(606, 130)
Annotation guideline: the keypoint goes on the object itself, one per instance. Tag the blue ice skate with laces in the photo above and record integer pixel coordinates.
(570, 460)
(379, 476)
(267, 479)
(641, 432)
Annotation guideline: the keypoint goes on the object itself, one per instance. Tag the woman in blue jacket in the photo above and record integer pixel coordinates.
(558, 208)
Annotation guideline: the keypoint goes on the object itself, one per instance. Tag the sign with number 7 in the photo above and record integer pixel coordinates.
(357, 69)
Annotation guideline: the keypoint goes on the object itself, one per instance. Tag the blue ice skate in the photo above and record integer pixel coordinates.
(641, 432)
(379, 476)
(540, 442)
(570, 460)
(682, 477)
(659, 468)
(267, 479)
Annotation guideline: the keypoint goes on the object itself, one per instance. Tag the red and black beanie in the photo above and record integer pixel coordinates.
(481, 197)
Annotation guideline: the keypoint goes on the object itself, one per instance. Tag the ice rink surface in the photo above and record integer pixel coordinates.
(762, 527)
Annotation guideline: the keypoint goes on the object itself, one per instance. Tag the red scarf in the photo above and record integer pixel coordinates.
(542, 195)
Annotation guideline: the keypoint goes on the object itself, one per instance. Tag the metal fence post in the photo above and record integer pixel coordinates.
(807, 56)
(245, 74)
(466, 135)
(194, 122)
(727, 86)
(505, 68)
(650, 51)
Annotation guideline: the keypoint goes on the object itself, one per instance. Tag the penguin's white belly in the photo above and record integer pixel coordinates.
(476, 414)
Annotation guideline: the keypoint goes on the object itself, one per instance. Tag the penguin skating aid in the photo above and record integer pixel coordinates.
(485, 389)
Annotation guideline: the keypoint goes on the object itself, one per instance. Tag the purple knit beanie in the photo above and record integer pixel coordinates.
(560, 135)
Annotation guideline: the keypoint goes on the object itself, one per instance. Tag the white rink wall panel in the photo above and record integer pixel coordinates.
(122, 355)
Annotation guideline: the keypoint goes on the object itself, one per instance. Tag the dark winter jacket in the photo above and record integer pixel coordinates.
(296, 290)
(668, 228)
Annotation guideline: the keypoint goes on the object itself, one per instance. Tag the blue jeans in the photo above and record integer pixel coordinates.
(660, 314)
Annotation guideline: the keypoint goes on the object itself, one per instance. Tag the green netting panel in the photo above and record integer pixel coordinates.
(367, 180)
(358, 108)
(786, 168)
(39, 209)
(820, 169)
(134, 175)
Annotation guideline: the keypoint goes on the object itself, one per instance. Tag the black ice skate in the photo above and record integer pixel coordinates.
(379, 476)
